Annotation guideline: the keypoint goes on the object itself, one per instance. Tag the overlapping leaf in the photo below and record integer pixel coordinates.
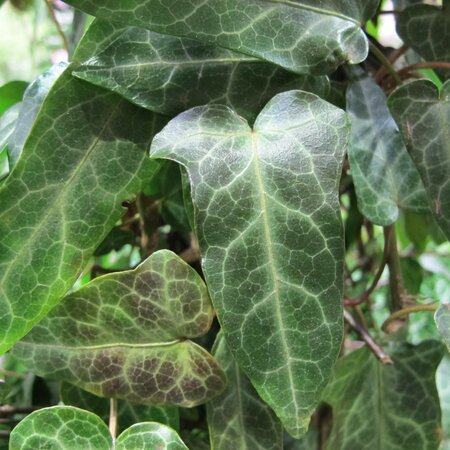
(239, 418)
(85, 156)
(384, 175)
(168, 74)
(423, 115)
(442, 318)
(10, 94)
(386, 407)
(304, 36)
(126, 335)
(426, 28)
(267, 218)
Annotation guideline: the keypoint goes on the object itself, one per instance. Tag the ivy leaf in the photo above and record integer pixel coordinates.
(128, 414)
(270, 233)
(384, 175)
(149, 436)
(168, 74)
(375, 406)
(239, 418)
(303, 36)
(61, 428)
(442, 318)
(86, 154)
(126, 335)
(426, 29)
(423, 114)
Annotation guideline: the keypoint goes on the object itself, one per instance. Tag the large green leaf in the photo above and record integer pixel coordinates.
(239, 418)
(149, 436)
(128, 413)
(126, 335)
(61, 428)
(426, 28)
(168, 74)
(304, 36)
(270, 233)
(86, 154)
(384, 174)
(423, 115)
(442, 318)
(386, 407)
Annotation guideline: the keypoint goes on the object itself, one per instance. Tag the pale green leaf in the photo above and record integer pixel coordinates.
(386, 406)
(126, 335)
(423, 115)
(384, 175)
(61, 428)
(239, 418)
(168, 74)
(149, 436)
(10, 94)
(443, 386)
(304, 36)
(270, 233)
(86, 154)
(442, 318)
(426, 28)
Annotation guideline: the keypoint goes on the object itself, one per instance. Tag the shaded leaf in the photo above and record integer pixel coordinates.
(85, 156)
(384, 175)
(126, 335)
(412, 274)
(423, 115)
(304, 36)
(61, 428)
(426, 28)
(127, 413)
(442, 318)
(239, 418)
(115, 240)
(168, 74)
(149, 436)
(267, 218)
(10, 94)
(376, 406)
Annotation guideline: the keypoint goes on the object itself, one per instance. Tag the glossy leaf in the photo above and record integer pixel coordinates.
(168, 74)
(386, 407)
(61, 428)
(426, 28)
(442, 318)
(149, 436)
(10, 94)
(126, 335)
(304, 36)
(267, 219)
(423, 114)
(7, 124)
(239, 418)
(128, 414)
(384, 175)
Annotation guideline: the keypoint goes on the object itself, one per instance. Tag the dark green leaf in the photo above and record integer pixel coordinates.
(386, 407)
(423, 115)
(168, 74)
(267, 218)
(426, 28)
(384, 175)
(304, 36)
(61, 428)
(416, 228)
(239, 418)
(126, 335)
(10, 94)
(412, 274)
(442, 318)
(115, 240)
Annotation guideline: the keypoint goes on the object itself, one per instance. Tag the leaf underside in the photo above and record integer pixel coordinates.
(270, 233)
(442, 319)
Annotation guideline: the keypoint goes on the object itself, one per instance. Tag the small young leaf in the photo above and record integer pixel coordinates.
(239, 418)
(375, 406)
(270, 233)
(149, 436)
(304, 36)
(423, 115)
(61, 428)
(384, 175)
(10, 94)
(126, 335)
(442, 318)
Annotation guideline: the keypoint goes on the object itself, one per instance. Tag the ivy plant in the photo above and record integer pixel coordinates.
(224, 225)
